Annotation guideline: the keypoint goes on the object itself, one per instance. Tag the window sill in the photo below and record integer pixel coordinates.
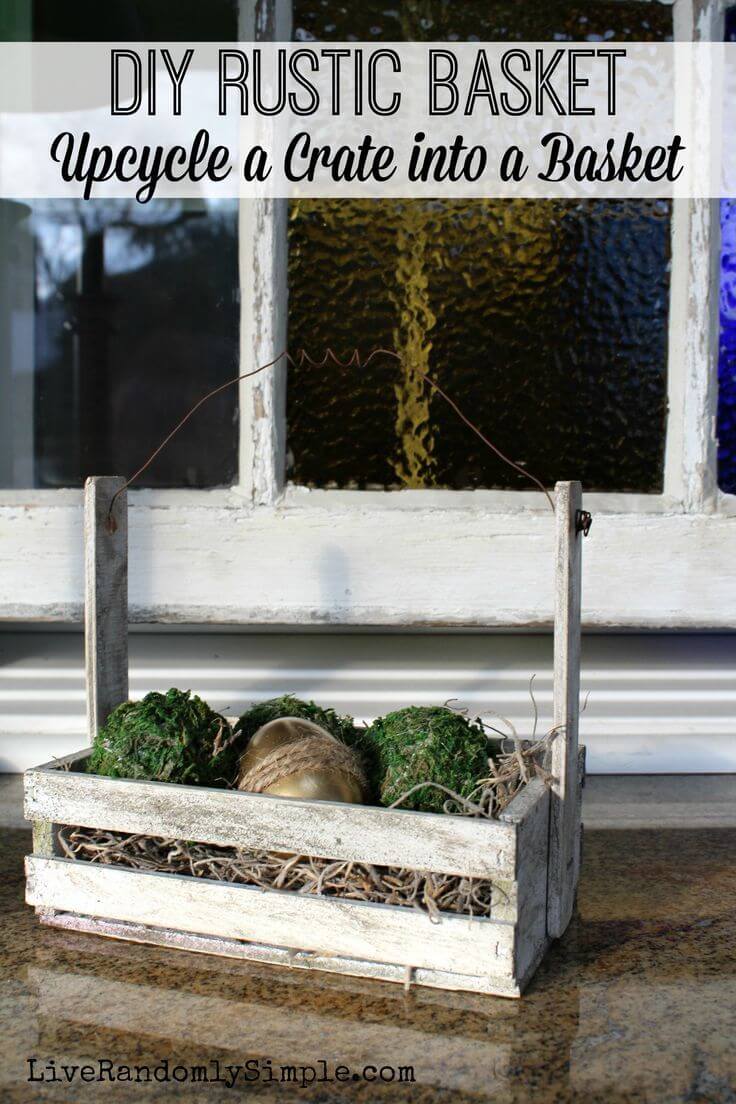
(314, 559)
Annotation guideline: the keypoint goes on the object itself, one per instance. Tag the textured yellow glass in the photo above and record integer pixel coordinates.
(546, 321)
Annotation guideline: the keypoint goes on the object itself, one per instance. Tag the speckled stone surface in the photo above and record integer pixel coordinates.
(636, 1003)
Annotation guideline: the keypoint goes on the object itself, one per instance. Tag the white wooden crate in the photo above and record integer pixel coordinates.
(530, 854)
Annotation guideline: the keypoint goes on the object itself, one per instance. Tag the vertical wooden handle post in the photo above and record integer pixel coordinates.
(106, 598)
(565, 803)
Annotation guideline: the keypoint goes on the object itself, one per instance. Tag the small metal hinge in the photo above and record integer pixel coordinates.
(583, 522)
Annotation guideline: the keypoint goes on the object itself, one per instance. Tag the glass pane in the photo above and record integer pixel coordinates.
(545, 320)
(114, 321)
(134, 20)
(482, 20)
(115, 318)
(727, 351)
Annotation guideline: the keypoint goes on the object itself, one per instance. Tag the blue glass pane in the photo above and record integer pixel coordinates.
(727, 348)
(727, 352)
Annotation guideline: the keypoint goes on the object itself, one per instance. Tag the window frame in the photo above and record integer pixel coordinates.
(229, 527)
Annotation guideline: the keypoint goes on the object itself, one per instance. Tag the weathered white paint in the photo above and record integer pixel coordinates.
(701, 351)
(295, 497)
(263, 299)
(392, 568)
(400, 936)
(263, 398)
(44, 842)
(529, 811)
(690, 460)
(422, 841)
(564, 802)
(281, 956)
(700, 377)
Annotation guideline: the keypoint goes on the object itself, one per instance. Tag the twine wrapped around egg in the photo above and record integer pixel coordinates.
(293, 757)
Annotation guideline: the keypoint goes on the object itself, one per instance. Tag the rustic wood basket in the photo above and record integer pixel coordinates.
(531, 854)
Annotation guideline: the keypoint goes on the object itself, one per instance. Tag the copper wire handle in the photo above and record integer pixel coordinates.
(329, 357)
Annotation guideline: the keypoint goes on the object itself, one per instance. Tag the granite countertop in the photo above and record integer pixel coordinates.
(636, 1003)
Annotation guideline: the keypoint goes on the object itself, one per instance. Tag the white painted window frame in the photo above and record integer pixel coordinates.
(265, 552)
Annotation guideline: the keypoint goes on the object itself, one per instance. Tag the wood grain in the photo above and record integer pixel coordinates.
(401, 936)
(422, 841)
(106, 599)
(565, 801)
(530, 813)
(490, 983)
(370, 566)
(44, 838)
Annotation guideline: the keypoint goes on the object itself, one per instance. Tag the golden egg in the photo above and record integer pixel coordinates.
(265, 765)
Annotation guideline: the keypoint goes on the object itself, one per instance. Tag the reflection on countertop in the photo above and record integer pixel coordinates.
(636, 1003)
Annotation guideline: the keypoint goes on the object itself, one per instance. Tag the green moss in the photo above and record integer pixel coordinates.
(172, 737)
(426, 744)
(289, 706)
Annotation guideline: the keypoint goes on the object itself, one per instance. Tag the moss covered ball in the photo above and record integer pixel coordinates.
(343, 727)
(289, 706)
(426, 744)
(172, 737)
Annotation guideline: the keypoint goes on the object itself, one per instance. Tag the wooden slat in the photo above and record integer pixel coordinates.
(401, 936)
(422, 841)
(489, 983)
(44, 841)
(530, 813)
(505, 898)
(565, 803)
(578, 847)
(106, 599)
(523, 803)
(74, 761)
